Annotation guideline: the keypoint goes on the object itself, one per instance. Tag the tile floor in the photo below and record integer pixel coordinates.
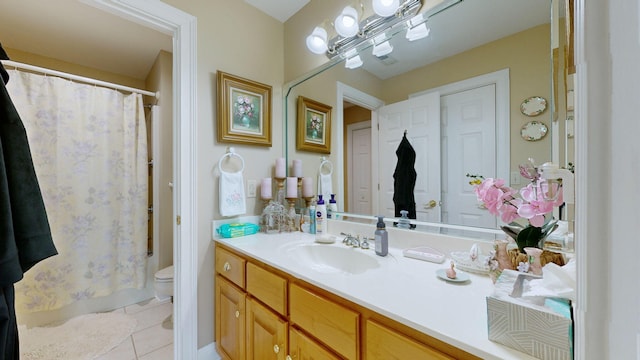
(153, 337)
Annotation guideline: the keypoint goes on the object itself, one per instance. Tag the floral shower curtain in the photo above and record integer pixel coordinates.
(89, 148)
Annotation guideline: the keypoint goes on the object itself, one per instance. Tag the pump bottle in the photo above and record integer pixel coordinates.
(382, 238)
(321, 220)
(332, 208)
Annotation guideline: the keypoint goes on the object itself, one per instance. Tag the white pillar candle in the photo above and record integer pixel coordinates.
(297, 168)
(280, 168)
(265, 188)
(307, 187)
(292, 188)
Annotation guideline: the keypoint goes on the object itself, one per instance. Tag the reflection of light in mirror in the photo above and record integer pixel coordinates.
(353, 62)
(418, 32)
(382, 49)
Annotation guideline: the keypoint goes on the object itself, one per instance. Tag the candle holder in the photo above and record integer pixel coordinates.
(273, 217)
(291, 216)
(280, 190)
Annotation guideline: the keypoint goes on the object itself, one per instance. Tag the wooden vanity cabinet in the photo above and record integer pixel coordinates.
(230, 319)
(302, 347)
(267, 333)
(264, 313)
(384, 343)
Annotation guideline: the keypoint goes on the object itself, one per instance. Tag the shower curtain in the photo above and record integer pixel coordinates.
(89, 148)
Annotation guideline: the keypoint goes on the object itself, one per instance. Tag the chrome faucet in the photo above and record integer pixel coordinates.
(350, 240)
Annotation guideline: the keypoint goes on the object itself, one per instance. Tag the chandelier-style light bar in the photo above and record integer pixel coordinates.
(390, 17)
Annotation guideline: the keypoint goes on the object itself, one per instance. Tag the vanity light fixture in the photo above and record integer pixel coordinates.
(390, 17)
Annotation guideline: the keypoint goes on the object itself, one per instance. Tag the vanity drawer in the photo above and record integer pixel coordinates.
(331, 323)
(230, 266)
(269, 288)
(383, 343)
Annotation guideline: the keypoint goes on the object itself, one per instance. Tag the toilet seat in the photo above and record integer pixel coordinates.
(163, 284)
(164, 275)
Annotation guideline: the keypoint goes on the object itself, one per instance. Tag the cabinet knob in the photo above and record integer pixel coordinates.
(226, 266)
(288, 357)
(237, 314)
(276, 348)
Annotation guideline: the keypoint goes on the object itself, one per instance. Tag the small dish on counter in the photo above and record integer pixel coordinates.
(460, 276)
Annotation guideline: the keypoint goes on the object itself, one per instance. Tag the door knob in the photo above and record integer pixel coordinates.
(431, 204)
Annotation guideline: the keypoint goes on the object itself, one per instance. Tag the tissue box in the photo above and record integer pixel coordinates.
(532, 328)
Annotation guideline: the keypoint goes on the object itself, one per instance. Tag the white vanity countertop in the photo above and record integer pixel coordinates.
(403, 289)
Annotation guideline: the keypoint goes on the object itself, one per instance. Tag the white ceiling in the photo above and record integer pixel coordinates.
(59, 28)
(279, 9)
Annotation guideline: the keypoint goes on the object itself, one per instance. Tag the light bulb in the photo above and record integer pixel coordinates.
(317, 41)
(347, 22)
(385, 8)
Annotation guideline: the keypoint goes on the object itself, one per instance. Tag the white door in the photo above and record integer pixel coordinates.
(469, 147)
(420, 118)
(359, 168)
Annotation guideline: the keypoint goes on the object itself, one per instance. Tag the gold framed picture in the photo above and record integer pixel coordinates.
(244, 110)
(314, 126)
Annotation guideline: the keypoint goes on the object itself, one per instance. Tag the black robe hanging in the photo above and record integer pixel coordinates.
(404, 179)
(25, 236)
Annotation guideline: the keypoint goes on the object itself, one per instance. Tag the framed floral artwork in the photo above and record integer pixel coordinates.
(314, 126)
(244, 110)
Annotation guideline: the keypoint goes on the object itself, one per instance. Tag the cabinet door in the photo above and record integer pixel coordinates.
(230, 320)
(386, 344)
(302, 347)
(266, 333)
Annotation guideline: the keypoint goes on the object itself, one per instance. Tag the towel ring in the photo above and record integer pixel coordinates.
(230, 154)
(325, 163)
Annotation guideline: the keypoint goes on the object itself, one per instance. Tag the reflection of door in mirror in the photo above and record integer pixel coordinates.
(464, 142)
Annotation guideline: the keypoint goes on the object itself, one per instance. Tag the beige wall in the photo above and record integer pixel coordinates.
(236, 38)
(55, 64)
(160, 80)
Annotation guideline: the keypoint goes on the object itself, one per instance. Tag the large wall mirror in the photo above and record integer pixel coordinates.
(481, 63)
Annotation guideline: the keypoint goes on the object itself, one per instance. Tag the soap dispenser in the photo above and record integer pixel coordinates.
(381, 238)
(403, 221)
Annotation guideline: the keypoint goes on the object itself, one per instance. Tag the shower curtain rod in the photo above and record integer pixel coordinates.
(78, 78)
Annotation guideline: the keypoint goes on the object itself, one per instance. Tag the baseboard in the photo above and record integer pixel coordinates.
(208, 352)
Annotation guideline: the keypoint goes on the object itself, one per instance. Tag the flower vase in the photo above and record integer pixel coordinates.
(245, 120)
(535, 267)
(504, 261)
(314, 134)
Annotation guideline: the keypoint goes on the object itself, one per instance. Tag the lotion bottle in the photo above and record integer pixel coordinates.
(321, 219)
(382, 238)
(332, 208)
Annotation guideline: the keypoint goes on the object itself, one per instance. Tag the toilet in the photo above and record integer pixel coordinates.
(163, 284)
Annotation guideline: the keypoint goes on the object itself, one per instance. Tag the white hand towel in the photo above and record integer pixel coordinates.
(232, 199)
(325, 186)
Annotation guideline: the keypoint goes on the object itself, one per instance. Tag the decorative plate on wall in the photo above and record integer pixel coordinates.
(533, 106)
(533, 131)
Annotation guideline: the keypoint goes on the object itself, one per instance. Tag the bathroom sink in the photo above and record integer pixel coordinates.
(331, 259)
